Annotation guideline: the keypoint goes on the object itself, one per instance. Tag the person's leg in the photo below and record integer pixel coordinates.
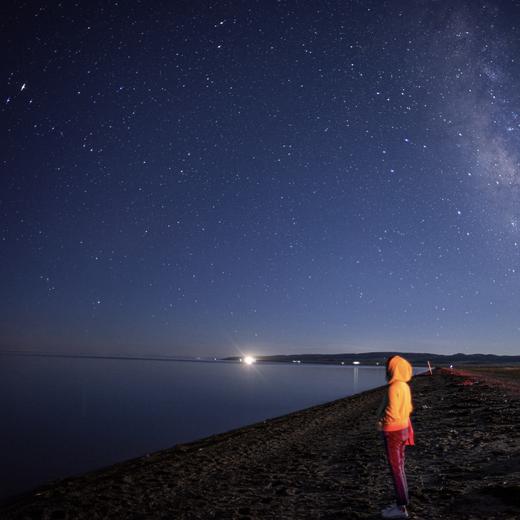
(394, 443)
(403, 501)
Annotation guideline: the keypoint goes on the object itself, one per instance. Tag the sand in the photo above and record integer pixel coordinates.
(325, 462)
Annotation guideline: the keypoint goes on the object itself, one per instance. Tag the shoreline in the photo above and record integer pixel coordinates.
(325, 461)
(74, 443)
(183, 447)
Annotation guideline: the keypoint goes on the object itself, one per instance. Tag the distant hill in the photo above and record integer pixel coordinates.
(379, 358)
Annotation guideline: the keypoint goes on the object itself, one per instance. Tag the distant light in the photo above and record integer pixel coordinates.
(356, 362)
(343, 362)
(249, 360)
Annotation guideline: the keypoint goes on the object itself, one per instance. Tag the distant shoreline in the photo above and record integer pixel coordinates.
(232, 360)
(106, 356)
(361, 359)
(379, 358)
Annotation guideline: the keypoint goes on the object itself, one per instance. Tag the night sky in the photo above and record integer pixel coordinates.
(209, 178)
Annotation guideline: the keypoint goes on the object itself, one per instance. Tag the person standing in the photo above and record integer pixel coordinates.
(396, 427)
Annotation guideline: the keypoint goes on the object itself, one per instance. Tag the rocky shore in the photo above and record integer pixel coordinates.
(325, 462)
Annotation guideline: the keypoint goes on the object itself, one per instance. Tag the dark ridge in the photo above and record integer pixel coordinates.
(379, 358)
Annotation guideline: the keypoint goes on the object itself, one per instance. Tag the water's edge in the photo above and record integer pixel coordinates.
(191, 445)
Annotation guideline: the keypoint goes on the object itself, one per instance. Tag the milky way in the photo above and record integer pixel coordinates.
(258, 177)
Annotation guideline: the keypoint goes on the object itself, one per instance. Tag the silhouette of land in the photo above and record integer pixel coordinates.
(379, 358)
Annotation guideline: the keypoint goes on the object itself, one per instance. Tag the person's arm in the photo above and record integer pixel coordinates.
(382, 406)
(381, 411)
(393, 405)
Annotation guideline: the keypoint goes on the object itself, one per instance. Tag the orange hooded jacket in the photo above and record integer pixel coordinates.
(398, 403)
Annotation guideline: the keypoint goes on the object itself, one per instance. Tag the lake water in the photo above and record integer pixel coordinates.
(65, 416)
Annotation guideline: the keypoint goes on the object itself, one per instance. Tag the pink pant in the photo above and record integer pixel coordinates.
(395, 444)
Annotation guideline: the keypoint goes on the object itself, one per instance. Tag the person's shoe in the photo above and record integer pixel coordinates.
(393, 506)
(394, 511)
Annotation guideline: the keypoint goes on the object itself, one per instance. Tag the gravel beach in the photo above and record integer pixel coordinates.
(325, 462)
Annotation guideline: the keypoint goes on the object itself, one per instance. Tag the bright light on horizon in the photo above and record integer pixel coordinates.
(249, 360)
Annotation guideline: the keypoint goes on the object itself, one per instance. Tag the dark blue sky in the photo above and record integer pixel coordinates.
(260, 176)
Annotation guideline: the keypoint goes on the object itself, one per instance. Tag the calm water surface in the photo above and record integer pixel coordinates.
(64, 416)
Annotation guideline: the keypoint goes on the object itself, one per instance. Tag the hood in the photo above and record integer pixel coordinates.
(398, 369)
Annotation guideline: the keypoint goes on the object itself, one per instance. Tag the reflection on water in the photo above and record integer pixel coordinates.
(67, 416)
